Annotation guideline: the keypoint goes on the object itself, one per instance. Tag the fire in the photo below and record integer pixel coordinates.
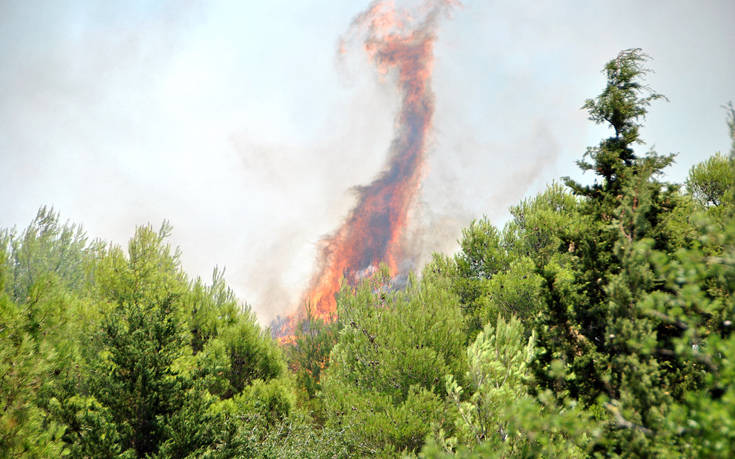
(395, 41)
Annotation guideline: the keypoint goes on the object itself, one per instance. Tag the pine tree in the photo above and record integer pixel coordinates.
(26, 364)
(385, 383)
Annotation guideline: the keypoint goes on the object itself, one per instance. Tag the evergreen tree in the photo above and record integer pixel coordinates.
(497, 415)
(622, 105)
(384, 385)
(308, 358)
(597, 322)
(26, 362)
(708, 182)
(47, 248)
(134, 374)
(696, 303)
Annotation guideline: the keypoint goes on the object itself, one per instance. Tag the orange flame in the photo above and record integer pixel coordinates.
(371, 234)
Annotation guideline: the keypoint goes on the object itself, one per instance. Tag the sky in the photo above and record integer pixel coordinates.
(237, 123)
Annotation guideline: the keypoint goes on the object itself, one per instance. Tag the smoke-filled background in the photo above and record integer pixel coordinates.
(237, 121)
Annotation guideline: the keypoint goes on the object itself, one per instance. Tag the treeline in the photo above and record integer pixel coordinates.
(597, 322)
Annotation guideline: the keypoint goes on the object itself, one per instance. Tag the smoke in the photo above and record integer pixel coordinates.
(400, 43)
(230, 120)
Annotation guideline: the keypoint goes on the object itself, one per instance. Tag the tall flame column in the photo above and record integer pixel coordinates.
(372, 232)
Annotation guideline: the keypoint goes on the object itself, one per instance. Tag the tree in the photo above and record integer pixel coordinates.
(622, 105)
(384, 385)
(25, 364)
(134, 375)
(44, 315)
(711, 181)
(498, 370)
(497, 415)
(308, 357)
(482, 254)
(696, 304)
(47, 247)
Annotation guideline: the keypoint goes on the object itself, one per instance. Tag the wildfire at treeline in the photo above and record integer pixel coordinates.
(397, 41)
(596, 322)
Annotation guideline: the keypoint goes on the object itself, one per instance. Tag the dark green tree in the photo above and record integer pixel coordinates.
(141, 338)
(622, 106)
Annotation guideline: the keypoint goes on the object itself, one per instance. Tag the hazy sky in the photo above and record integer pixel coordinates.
(236, 122)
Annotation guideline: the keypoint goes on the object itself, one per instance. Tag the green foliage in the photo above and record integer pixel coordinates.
(308, 357)
(711, 181)
(498, 369)
(625, 100)
(622, 105)
(40, 269)
(91, 430)
(498, 271)
(482, 255)
(252, 355)
(231, 350)
(597, 322)
(213, 308)
(376, 424)
(142, 336)
(579, 271)
(545, 225)
(384, 385)
(497, 416)
(391, 340)
(711, 184)
(105, 345)
(698, 309)
(516, 291)
(46, 249)
(25, 363)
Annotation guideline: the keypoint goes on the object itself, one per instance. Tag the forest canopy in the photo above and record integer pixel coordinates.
(596, 322)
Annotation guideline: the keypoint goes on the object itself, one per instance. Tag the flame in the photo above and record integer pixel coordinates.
(395, 41)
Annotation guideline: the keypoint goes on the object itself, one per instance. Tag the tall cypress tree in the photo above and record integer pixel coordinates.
(622, 105)
(628, 209)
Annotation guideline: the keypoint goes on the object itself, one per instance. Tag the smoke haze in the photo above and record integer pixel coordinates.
(236, 122)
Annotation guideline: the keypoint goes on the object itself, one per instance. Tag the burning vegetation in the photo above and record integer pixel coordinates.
(401, 44)
(598, 321)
